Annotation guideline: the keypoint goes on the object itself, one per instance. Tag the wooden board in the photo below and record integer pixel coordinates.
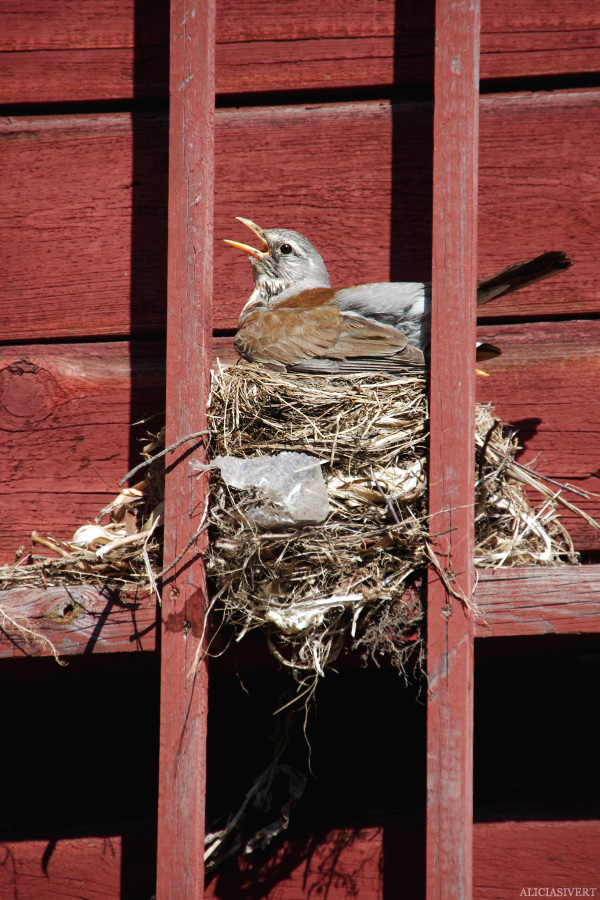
(451, 476)
(372, 863)
(104, 864)
(67, 51)
(66, 414)
(538, 601)
(65, 869)
(546, 384)
(511, 856)
(85, 225)
(84, 216)
(183, 651)
(81, 620)
(78, 619)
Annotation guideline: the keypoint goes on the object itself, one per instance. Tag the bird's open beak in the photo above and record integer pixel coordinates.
(251, 251)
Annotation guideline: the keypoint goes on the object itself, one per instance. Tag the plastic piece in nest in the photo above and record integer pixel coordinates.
(291, 486)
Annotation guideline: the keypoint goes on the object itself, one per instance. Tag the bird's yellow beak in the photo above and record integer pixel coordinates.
(251, 251)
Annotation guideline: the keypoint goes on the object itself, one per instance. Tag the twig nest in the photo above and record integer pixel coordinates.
(310, 587)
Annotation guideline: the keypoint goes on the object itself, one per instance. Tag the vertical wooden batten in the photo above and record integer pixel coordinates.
(450, 624)
(189, 325)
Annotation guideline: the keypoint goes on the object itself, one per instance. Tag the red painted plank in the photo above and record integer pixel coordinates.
(379, 863)
(64, 869)
(307, 45)
(511, 857)
(75, 619)
(451, 449)
(538, 601)
(51, 76)
(66, 414)
(548, 196)
(84, 224)
(181, 808)
(339, 864)
(37, 25)
(536, 386)
(370, 863)
(539, 37)
(80, 619)
(84, 208)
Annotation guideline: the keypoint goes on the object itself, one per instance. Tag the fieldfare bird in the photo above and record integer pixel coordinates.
(295, 322)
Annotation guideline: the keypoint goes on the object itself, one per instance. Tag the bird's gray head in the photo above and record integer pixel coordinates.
(287, 264)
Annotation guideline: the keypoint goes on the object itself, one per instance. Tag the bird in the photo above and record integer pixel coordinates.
(294, 321)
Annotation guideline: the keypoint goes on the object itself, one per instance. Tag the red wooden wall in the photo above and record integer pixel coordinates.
(324, 123)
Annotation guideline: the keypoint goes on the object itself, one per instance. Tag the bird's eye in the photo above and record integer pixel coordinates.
(286, 249)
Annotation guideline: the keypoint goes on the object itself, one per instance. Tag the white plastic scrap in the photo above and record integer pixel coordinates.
(291, 485)
(298, 617)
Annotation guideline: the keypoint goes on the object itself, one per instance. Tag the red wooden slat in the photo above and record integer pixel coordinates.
(183, 671)
(80, 619)
(538, 601)
(76, 619)
(66, 415)
(51, 76)
(451, 475)
(36, 25)
(90, 197)
(65, 869)
(84, 227)
(510, 857)
(372, 863)
(67, 51)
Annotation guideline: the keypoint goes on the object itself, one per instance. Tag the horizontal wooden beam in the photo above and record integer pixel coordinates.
(81, 619)
(54, 53)
(507, 857)
(75, 619)
(516, 602)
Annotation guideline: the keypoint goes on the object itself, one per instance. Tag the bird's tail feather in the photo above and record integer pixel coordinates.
(522, 274)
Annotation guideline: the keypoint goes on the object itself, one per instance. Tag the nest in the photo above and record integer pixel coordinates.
(308, 589)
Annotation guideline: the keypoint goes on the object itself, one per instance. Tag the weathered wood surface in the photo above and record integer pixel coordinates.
(80, 619)
(69, 51)
(538, 601)
(84, 225)
(77, 619)
(63, 869)
(65, 417)
(510, 856)
(84, 214)
(450, 629)
(371, 863)
(184, 671)
(546, 383)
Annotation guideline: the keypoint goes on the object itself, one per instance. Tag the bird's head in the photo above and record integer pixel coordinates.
(285, 264)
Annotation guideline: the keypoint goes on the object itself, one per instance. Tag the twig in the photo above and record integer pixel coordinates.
(169, 449)
(386, 499)
(565, 487)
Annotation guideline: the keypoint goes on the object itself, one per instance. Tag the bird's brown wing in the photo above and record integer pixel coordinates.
(290, 333)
